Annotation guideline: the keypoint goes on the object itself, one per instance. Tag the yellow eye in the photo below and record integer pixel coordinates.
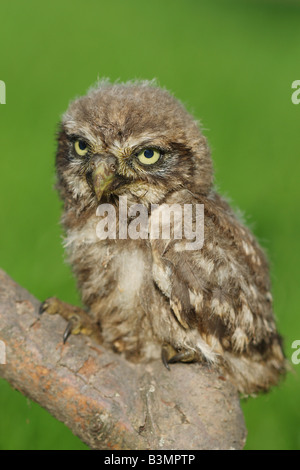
(148, 156)
(81, 147)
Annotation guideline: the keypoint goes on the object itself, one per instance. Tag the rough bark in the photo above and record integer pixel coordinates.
(108, 402)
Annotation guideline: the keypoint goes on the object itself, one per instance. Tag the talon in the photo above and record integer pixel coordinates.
(51, 305)
(42, 308)
(167, 351)
(175, 358)
(164, 358)
(74, 327)
(183, 356)
(169, 355)
(79, 321)
(67, 331)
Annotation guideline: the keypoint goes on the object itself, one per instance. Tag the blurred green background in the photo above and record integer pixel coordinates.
(232, 63)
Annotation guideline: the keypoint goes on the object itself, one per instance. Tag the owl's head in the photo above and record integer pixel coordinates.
(130, 139)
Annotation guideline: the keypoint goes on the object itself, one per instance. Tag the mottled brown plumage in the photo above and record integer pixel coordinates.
(213, 304)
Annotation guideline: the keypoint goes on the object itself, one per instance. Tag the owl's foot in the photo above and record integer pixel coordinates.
(79, 322)
(169, 355)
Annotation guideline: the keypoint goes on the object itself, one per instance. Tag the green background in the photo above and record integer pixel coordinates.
(232, 63)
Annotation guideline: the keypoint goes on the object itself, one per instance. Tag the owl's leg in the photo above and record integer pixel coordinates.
(79, 322)
(169, 355)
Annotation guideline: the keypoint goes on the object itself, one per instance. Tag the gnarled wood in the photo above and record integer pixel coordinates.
(108, 402)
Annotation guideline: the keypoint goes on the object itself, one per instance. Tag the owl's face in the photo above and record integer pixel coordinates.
(132, 139)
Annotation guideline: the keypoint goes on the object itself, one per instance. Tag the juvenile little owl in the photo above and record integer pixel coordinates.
(146, 296)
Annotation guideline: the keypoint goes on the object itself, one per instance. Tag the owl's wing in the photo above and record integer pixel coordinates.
(222, 288)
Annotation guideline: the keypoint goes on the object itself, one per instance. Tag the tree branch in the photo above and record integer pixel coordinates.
(108, 402)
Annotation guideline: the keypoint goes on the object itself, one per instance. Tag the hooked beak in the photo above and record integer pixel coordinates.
(102, 175)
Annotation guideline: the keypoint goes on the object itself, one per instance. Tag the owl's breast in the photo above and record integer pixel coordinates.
(130, 267)
(122, 308)
(116, 284)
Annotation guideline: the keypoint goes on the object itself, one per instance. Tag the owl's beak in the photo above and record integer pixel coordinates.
(102, 175)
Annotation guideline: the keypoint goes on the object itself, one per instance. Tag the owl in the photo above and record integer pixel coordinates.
(150, 297)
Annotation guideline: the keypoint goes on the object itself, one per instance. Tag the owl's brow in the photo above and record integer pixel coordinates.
(132, 150)
(74, 137)
(86, 138)
(93, 145)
